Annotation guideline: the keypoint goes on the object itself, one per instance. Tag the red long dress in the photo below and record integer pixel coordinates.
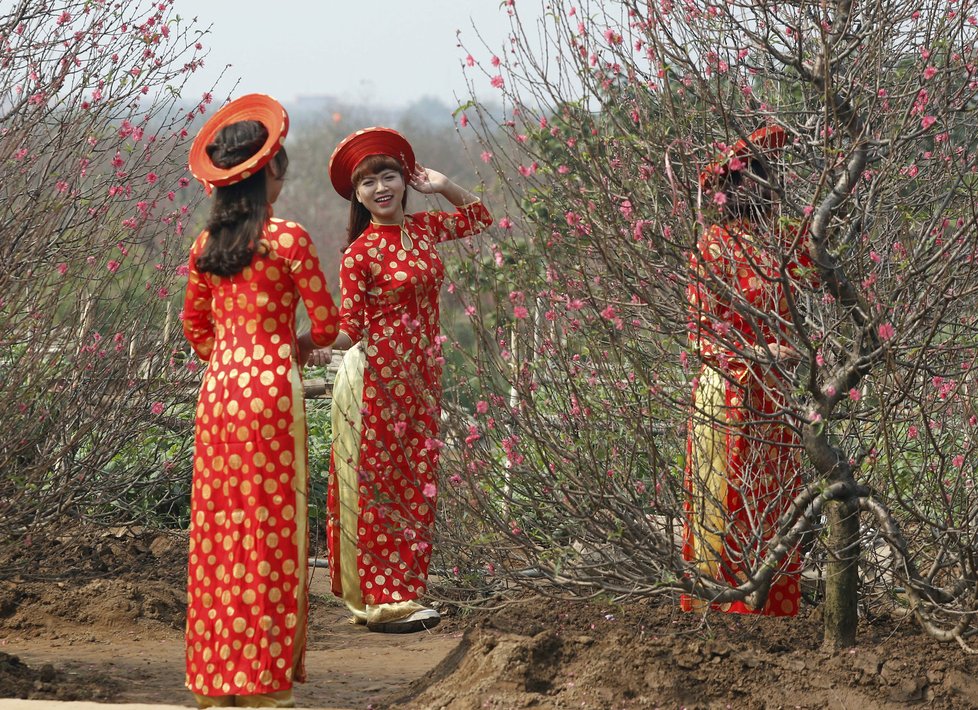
(246, 588)
(390, 284)
(743, 459)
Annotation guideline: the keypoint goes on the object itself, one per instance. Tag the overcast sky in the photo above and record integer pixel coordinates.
(384, 52)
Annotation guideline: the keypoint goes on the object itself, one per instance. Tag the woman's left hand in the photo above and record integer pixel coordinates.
(428, 181)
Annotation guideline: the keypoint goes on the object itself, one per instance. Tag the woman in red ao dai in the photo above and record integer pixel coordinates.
(387, 395)
(247, 595)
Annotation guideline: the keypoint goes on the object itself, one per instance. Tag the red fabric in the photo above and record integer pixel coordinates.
(390, 302)
(353, 149)
(244, 607)
(251, 107)
(761, 450)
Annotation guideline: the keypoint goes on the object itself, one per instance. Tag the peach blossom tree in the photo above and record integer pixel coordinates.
(96, 396)
(567, 475)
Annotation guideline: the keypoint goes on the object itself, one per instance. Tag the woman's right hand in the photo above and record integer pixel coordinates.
(320, 358)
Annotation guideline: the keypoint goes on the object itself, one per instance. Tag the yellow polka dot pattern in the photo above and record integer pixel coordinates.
(390, 278)
(245, 597)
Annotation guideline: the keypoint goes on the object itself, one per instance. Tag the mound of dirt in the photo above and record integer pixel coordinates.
(145, 587)
(18, 680)
(549, 655)
(118, 637)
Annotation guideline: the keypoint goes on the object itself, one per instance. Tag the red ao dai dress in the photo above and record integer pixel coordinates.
(246, 591)
(743, 458)
(386, 408)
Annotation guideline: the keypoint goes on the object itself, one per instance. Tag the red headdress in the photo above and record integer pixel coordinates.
(766, 139)
(252, 107)
(352, 150)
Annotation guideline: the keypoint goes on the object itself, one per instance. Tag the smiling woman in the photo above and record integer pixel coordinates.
(381, 194)
(387, 394)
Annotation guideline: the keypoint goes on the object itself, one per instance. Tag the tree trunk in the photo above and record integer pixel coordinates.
(841, 574)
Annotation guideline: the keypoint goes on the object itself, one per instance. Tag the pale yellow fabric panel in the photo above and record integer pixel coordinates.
(301, 483)
(709, 472)
(347, 429)
(278, 699)
(393, 611)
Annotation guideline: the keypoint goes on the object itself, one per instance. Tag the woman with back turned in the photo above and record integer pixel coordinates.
(247, 595)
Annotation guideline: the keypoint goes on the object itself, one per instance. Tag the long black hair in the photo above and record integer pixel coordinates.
(239, 211)
(360, 215)
(747, 198)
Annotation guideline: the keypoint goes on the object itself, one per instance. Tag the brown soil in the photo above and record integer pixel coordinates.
(119, 639)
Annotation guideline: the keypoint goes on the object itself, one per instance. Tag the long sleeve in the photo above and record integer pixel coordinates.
(354, 284)
(309, 280)
(709, 262)
(198, 319)
(466, 221)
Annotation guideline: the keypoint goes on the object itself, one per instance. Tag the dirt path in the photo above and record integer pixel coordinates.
(120, 640)
(118, 655)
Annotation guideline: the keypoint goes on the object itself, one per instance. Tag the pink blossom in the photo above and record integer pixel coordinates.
(927, 121)
(486, 156)
(855, 395)
(494, 61)
(113, 265)
(157, 408)
(886, 331)
(64, 18)
(958, 461)
(400, 428)
(497, 82)
(505, 223)
(463, 121)
(520, 312)
(433, 444)
(152, 178)
(912, 432)
(563, 169)
(62, 268)
(719, 198)
(608, 312)
(470, 60)
(929, 72)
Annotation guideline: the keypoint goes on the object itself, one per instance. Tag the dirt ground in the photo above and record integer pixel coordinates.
(118, 638)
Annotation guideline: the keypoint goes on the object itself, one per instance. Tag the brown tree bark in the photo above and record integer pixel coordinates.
(841, 574)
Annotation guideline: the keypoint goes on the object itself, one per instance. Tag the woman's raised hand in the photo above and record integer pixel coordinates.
(428, 181)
